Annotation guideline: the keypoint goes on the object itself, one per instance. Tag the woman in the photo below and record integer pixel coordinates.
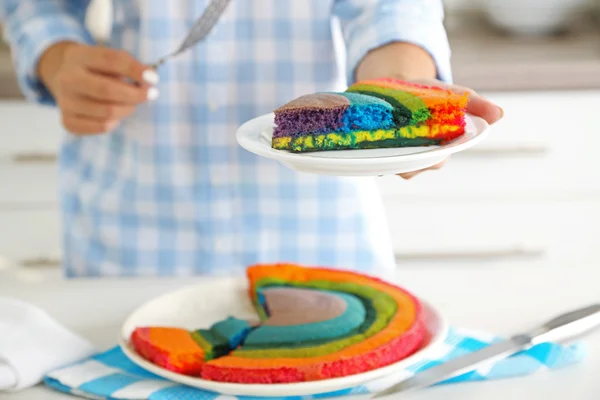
(152, 179)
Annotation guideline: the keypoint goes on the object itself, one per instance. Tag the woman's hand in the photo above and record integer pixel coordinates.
(477, 105)
(412, 63)
(95, 87)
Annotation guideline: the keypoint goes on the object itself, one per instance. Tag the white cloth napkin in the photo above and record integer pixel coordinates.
(32, 344)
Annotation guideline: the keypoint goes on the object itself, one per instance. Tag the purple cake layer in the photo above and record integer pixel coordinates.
(331, 112)
(318, 112)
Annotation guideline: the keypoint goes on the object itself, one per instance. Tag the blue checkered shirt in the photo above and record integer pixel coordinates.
(170, 192)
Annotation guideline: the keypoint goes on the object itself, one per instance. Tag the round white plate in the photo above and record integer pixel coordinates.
(201, 305)
(255, 136)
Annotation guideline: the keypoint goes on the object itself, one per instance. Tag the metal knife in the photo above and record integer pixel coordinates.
(564, 327)
(200, 30)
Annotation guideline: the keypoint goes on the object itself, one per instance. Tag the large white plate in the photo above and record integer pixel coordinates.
(255, 136)
(201, 305)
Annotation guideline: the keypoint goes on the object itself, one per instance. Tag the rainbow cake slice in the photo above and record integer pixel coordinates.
(315, 323)
(370, 114)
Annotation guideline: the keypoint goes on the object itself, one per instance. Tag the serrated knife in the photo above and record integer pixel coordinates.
(562, 328)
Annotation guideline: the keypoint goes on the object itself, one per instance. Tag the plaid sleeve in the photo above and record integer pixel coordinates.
(34, 25)
(368, 24)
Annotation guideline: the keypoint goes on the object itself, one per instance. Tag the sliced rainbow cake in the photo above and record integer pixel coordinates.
(371, 114)
(316, 323)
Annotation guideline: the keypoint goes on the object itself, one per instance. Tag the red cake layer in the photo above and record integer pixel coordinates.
(391, 352)
(171, 348)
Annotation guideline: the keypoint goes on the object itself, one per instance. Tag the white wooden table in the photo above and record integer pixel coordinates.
(502, 299)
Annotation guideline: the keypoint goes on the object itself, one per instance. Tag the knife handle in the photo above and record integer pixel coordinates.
(569, 325)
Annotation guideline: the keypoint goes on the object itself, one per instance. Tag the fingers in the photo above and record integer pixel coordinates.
(410, 175)
(121, 63)
(97, 87)
(107, 89)
(91, 108)
(85, 116)
(81, 125)
(478, 105)
(485, 109)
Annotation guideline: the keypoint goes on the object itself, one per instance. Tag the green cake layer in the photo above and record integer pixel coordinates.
(380, 308)
(222, 337)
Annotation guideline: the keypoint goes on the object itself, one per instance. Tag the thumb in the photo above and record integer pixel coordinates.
(484, 108)
(478, 105)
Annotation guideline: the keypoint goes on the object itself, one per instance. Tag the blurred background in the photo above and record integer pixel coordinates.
(528, 197)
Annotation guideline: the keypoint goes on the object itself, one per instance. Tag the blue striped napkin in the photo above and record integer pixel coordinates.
(111, 375)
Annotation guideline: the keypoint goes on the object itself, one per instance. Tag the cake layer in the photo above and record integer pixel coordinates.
(408, 108)
(331, 112)
(380, 309)
(316, 323)
(171, 348)
(366, 112)
(327, 327)
(404, 137)
(292, 306)
(408, 115)
(332, 279)
(232, 331)
(400, 336)
(444, 105)
(242, 370)
(182, 351)
(222, 337)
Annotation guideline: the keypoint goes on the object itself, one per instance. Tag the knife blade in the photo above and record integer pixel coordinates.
(561, 328)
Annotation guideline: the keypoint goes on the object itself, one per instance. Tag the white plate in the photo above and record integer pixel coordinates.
(255, 136)
(201, 305)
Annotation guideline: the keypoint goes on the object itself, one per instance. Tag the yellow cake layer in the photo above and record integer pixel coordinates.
(345, 139)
